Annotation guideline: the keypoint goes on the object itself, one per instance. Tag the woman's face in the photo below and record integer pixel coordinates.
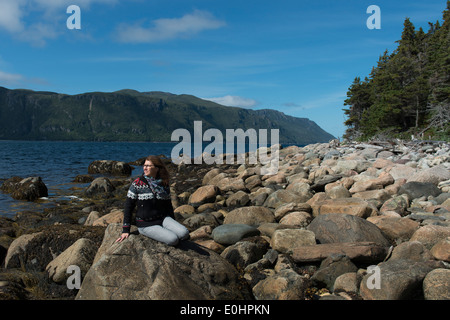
(149, 169)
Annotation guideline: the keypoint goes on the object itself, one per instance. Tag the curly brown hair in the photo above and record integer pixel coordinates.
(163, 173)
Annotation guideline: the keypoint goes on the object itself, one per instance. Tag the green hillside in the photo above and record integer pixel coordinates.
(129, 115)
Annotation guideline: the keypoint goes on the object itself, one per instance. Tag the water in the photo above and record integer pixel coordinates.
(58, 163)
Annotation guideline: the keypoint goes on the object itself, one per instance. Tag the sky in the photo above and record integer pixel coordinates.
(298, 57)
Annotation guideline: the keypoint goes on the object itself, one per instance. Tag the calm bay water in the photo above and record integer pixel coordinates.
(58, 162)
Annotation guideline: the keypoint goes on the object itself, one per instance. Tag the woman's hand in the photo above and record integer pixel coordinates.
(122, 237)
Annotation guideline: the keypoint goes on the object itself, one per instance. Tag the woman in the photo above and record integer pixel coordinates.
(154, 216)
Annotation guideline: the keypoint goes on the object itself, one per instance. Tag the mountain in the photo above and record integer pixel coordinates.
(129, 115)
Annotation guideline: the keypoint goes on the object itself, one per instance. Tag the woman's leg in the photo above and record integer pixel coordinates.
(160, 234)
(181, 231)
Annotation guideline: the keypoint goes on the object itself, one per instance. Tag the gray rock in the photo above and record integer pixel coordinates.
(416, 189)
(432, 175)
(363, 252)
(411, 250)
(201, 219)
(238, 199)
(398, 280)
(285, 285)
(243, 253)
(228, 234)
(331, 268)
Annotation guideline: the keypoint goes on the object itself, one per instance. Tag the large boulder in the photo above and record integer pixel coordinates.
(339, 227)
(364, 252)
(398, 280)
(142, 268)
(28, 189)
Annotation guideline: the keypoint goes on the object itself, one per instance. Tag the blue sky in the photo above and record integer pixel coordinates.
(295, 56)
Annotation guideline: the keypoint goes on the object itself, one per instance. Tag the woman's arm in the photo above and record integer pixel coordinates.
(130, 204)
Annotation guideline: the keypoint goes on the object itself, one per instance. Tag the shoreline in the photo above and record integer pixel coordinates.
(315, 181)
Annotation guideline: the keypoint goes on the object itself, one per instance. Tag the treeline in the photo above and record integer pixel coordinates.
(408, 92)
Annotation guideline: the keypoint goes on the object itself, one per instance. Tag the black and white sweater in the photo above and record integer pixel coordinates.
(152, 200)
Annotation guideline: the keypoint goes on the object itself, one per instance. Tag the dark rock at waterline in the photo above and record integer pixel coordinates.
(83, 178)
(100, 186)
(116, 168)
(33, 251)
(28, 189)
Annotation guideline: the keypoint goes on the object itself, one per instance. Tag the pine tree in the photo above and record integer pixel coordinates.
(358, 98)
(439, 52)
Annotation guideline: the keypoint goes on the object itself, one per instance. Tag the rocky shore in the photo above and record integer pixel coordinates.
(354, 221)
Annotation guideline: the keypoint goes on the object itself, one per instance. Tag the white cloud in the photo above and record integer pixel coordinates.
(234, 101)
(15, 16)
(166, 29)
(14, 79)
(10, 78)
(11, 15)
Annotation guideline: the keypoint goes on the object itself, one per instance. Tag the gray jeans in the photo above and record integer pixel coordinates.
(170, 232)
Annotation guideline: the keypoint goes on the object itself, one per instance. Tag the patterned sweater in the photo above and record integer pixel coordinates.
(152, 200)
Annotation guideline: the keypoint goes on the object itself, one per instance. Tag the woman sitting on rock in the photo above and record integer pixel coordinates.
(154, 216)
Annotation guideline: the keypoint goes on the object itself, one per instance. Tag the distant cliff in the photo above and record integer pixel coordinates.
(128, 115)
